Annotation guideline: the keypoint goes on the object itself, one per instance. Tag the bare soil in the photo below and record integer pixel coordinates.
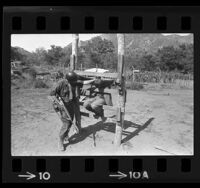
(157, 122)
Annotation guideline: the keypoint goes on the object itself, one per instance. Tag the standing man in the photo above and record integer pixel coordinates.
(77, 83)
(64, 91)
(67, 90)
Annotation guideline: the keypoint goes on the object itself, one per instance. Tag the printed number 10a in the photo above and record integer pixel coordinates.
(138, 175)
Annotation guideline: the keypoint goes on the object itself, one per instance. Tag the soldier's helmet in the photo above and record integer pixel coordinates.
(71, 76)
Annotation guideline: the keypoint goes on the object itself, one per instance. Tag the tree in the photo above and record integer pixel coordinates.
(39, 56)
(168, 58)
(149, 62)
(176, 59)
(186, 60)
(101, 52)
(54, 55)
(19, 54)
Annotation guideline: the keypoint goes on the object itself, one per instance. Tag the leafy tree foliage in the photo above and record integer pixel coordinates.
(103, 54)
(54, 55)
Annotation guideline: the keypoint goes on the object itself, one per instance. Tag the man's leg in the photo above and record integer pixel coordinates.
(97, 106)
(87, 104)
(66, 125)
(70, 109)
(77, 113)
(64, 133)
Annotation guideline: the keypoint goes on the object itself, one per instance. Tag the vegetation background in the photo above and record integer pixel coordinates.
(160, 59)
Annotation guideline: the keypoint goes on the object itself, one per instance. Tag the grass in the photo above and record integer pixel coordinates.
(134, 86)
(179, 84)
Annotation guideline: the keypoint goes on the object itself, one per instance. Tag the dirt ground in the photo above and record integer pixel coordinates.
(157, 122)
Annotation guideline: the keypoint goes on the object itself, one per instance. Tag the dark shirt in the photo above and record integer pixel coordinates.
(76, 88)
(100, 92)
(101, 85)
(64, 90)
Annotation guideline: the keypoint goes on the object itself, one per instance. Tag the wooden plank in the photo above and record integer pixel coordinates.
(72, 62)
(122, 91)
(111, 108)
(94, 74)
(74, 55)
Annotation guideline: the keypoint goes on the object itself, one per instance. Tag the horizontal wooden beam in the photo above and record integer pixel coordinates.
(94, 74)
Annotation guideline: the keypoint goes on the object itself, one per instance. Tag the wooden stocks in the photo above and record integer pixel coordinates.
(74, 56)
(122, 90)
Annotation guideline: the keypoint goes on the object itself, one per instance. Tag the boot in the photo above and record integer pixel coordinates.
(61, 145)
(66, 140)
(99, 113)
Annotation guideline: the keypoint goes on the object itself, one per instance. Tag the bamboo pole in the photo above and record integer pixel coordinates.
(122, 91)
(74, 55)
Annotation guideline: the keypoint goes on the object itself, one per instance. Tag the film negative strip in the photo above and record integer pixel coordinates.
(146, 129)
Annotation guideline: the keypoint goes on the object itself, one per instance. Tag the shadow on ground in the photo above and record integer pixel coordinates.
(110, 127)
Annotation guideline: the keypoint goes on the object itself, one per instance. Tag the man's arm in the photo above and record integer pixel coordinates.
(103, 83)
(82, 78)
(55, 90)
(80, 83)
(86, 82)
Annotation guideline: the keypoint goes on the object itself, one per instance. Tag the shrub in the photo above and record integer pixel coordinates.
(40, 84)
(31, 71)
(137, 86)
(134, 86)
(158, 77)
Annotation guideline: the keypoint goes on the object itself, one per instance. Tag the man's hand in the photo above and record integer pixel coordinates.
(88, 81)
(118, 82)
(83, 91)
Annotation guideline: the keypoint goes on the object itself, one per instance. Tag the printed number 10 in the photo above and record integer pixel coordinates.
(44, 175)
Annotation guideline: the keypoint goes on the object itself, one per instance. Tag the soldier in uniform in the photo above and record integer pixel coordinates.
(95, 104)
(68, 90)
(77, 83)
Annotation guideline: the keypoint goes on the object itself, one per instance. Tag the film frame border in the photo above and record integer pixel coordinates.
(114, 20)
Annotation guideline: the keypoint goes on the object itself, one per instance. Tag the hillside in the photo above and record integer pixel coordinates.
(149, 42)
(17, 53)
(143, 42)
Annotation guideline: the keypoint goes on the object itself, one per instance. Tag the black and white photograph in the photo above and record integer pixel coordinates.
(102, 94)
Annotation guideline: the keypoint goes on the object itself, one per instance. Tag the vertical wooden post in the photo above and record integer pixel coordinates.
(133, 78)
(96, 68)
(133, 75)
(74, 56)
(122, 90)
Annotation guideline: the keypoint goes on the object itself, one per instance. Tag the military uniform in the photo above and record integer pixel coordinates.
(76, 93)
(68, 95)
(96, 103)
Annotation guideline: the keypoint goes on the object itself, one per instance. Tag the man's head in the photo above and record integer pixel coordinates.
(98, 83)
(71, 76)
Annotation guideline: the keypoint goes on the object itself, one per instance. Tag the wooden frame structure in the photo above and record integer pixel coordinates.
(119, 76)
